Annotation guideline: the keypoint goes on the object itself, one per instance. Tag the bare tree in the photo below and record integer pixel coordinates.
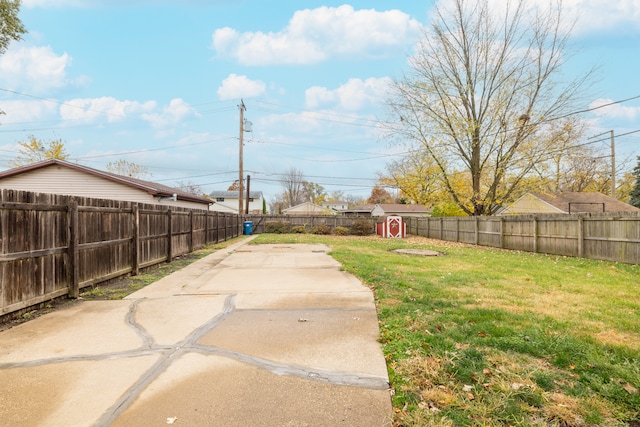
(294, 188)
(130, 169)
(191, 188)
(483, 88)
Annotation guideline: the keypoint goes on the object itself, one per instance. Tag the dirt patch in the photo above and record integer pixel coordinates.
(14, 319)
(419, 252)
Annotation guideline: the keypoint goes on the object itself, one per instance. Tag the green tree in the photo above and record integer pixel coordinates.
(34, 150)
(482, 87)
(314, 192)
(11, 28)
(634, 198)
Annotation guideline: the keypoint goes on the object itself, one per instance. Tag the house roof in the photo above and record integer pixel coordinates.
(234, 194)
(152, 188)
(305, 207)
(391, 207)
(584, 202)
(402, 208)
(362, 208)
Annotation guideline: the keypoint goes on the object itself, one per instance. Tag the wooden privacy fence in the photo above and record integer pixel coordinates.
(54, 245)
(604, 236)
(309, 221)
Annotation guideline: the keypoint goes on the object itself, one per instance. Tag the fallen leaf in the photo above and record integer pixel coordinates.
(467, 388)
(516, 386)
(470, 396)
(303, 320)
(487, 371)
(630, 389)
(172, 420)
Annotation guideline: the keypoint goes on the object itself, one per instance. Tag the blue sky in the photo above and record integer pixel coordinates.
(158, 83)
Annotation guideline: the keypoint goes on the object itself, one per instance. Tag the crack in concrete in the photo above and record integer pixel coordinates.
(130, 320)
(169, 353)
(331, 377)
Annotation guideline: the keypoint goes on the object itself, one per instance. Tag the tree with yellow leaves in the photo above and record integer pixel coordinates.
(34, 150)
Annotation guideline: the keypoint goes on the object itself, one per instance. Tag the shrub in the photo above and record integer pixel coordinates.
(298, 229)
(340, 231)
(277, 227)
(361, 227)
(321, 229)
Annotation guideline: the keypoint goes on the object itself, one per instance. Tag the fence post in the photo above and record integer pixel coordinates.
(74, 268)
(135, 241)
(169, 235)
(218, 227)
(457, 229)
(477, 231)
(535, 234)
(501, 232)
(580, 236)
(441, 224)
(191, 245)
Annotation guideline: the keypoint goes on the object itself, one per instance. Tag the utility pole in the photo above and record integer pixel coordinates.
(613, 166)
(613, 161)
(240, 167)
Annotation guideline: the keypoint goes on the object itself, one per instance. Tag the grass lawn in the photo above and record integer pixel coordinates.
(488, 337)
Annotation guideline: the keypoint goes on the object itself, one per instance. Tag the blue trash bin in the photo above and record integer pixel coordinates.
(248, 227)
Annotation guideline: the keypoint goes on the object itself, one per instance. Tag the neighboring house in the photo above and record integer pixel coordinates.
(534, 202)
(60, 177)
(307, 208)
(383, 209)
(227, 201)
(336, 206)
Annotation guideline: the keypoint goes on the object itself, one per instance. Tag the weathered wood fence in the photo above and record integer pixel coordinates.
(612, 237)
(309, 221)
(54, 245)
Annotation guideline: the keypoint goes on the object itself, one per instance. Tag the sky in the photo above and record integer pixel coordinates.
(159, 83)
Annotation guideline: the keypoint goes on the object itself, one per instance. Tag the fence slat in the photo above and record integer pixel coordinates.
(54, 245)
(605, 236)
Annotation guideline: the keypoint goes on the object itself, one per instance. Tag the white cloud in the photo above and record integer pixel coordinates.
(616, 111)
(34, 68)
(236, 86)
(314, 35)
(19, 112)
(593, 15)
(354, 95)
(603, 15)
(107, 108)
(172, 114)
